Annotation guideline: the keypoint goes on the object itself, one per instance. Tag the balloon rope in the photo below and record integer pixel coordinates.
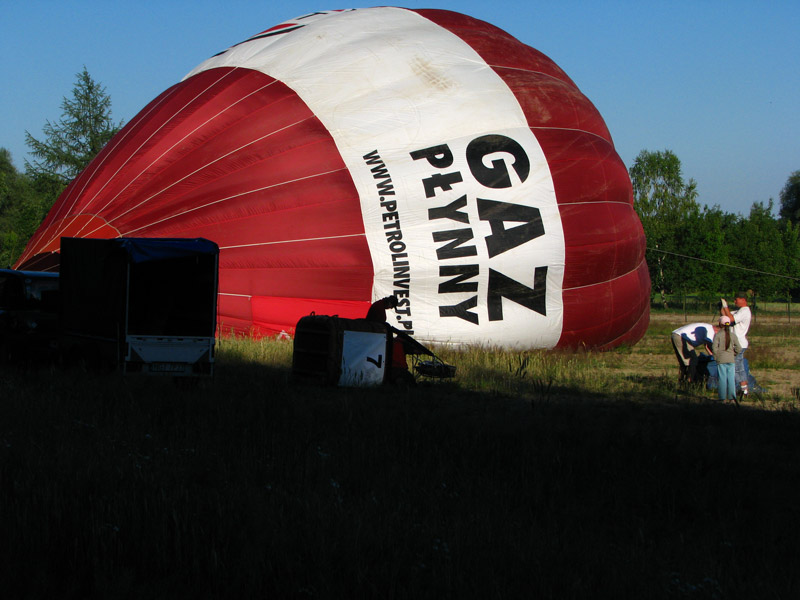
(177, 143)
(723, 264)
(129, 129)
(144, 170)
(95, 165)
(36, 260)
(129, 232)
(314, 239)
(620, 276)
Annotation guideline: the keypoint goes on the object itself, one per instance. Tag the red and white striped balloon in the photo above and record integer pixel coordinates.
(348, 155)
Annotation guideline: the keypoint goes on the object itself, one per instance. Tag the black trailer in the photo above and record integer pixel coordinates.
(145, 305)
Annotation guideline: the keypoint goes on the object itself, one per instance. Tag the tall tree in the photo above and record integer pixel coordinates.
(790, 198)
(663, 201)
(75, 139)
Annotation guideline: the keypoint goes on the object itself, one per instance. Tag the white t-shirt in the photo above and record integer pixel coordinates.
(696, 333)
(741, 323)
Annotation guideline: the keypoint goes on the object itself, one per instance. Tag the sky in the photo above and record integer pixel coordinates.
(715, 82)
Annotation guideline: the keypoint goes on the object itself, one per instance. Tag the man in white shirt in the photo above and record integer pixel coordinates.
(684, 341)
(740, 321)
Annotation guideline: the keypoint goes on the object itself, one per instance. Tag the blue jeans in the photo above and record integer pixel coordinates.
(727, 385)
(741, 370)
(743, 374)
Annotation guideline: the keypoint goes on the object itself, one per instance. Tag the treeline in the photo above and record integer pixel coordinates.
(701, 249)
(691, 248)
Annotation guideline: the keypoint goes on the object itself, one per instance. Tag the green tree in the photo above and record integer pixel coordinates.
(790, 198)
(791, 245)
(702, 235)
(75, 139)
(7, 173)
(69, 145)
(22, 208)
(759, 244)
(663, 201)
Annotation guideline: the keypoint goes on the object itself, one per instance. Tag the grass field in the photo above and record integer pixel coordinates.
(532, 474)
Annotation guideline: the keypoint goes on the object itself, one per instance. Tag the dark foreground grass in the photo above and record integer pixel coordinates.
(250, 487)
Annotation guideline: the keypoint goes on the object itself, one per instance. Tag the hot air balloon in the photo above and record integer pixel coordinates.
(350, 155)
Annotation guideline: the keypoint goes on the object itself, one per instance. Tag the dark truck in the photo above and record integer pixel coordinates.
(28, 314)
(145, 305)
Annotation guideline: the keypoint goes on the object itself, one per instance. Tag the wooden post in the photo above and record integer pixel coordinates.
(685, 318)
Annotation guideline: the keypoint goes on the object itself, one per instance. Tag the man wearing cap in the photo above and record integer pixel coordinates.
(740, 320)
(684, 341)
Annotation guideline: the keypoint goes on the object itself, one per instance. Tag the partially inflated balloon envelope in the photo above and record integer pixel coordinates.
(348, 155)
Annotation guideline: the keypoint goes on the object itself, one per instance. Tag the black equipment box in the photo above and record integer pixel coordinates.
(331, 350)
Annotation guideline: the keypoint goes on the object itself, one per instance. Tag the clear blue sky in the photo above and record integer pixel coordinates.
(716, 82)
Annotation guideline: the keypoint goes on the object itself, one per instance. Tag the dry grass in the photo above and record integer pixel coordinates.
(553, 475)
